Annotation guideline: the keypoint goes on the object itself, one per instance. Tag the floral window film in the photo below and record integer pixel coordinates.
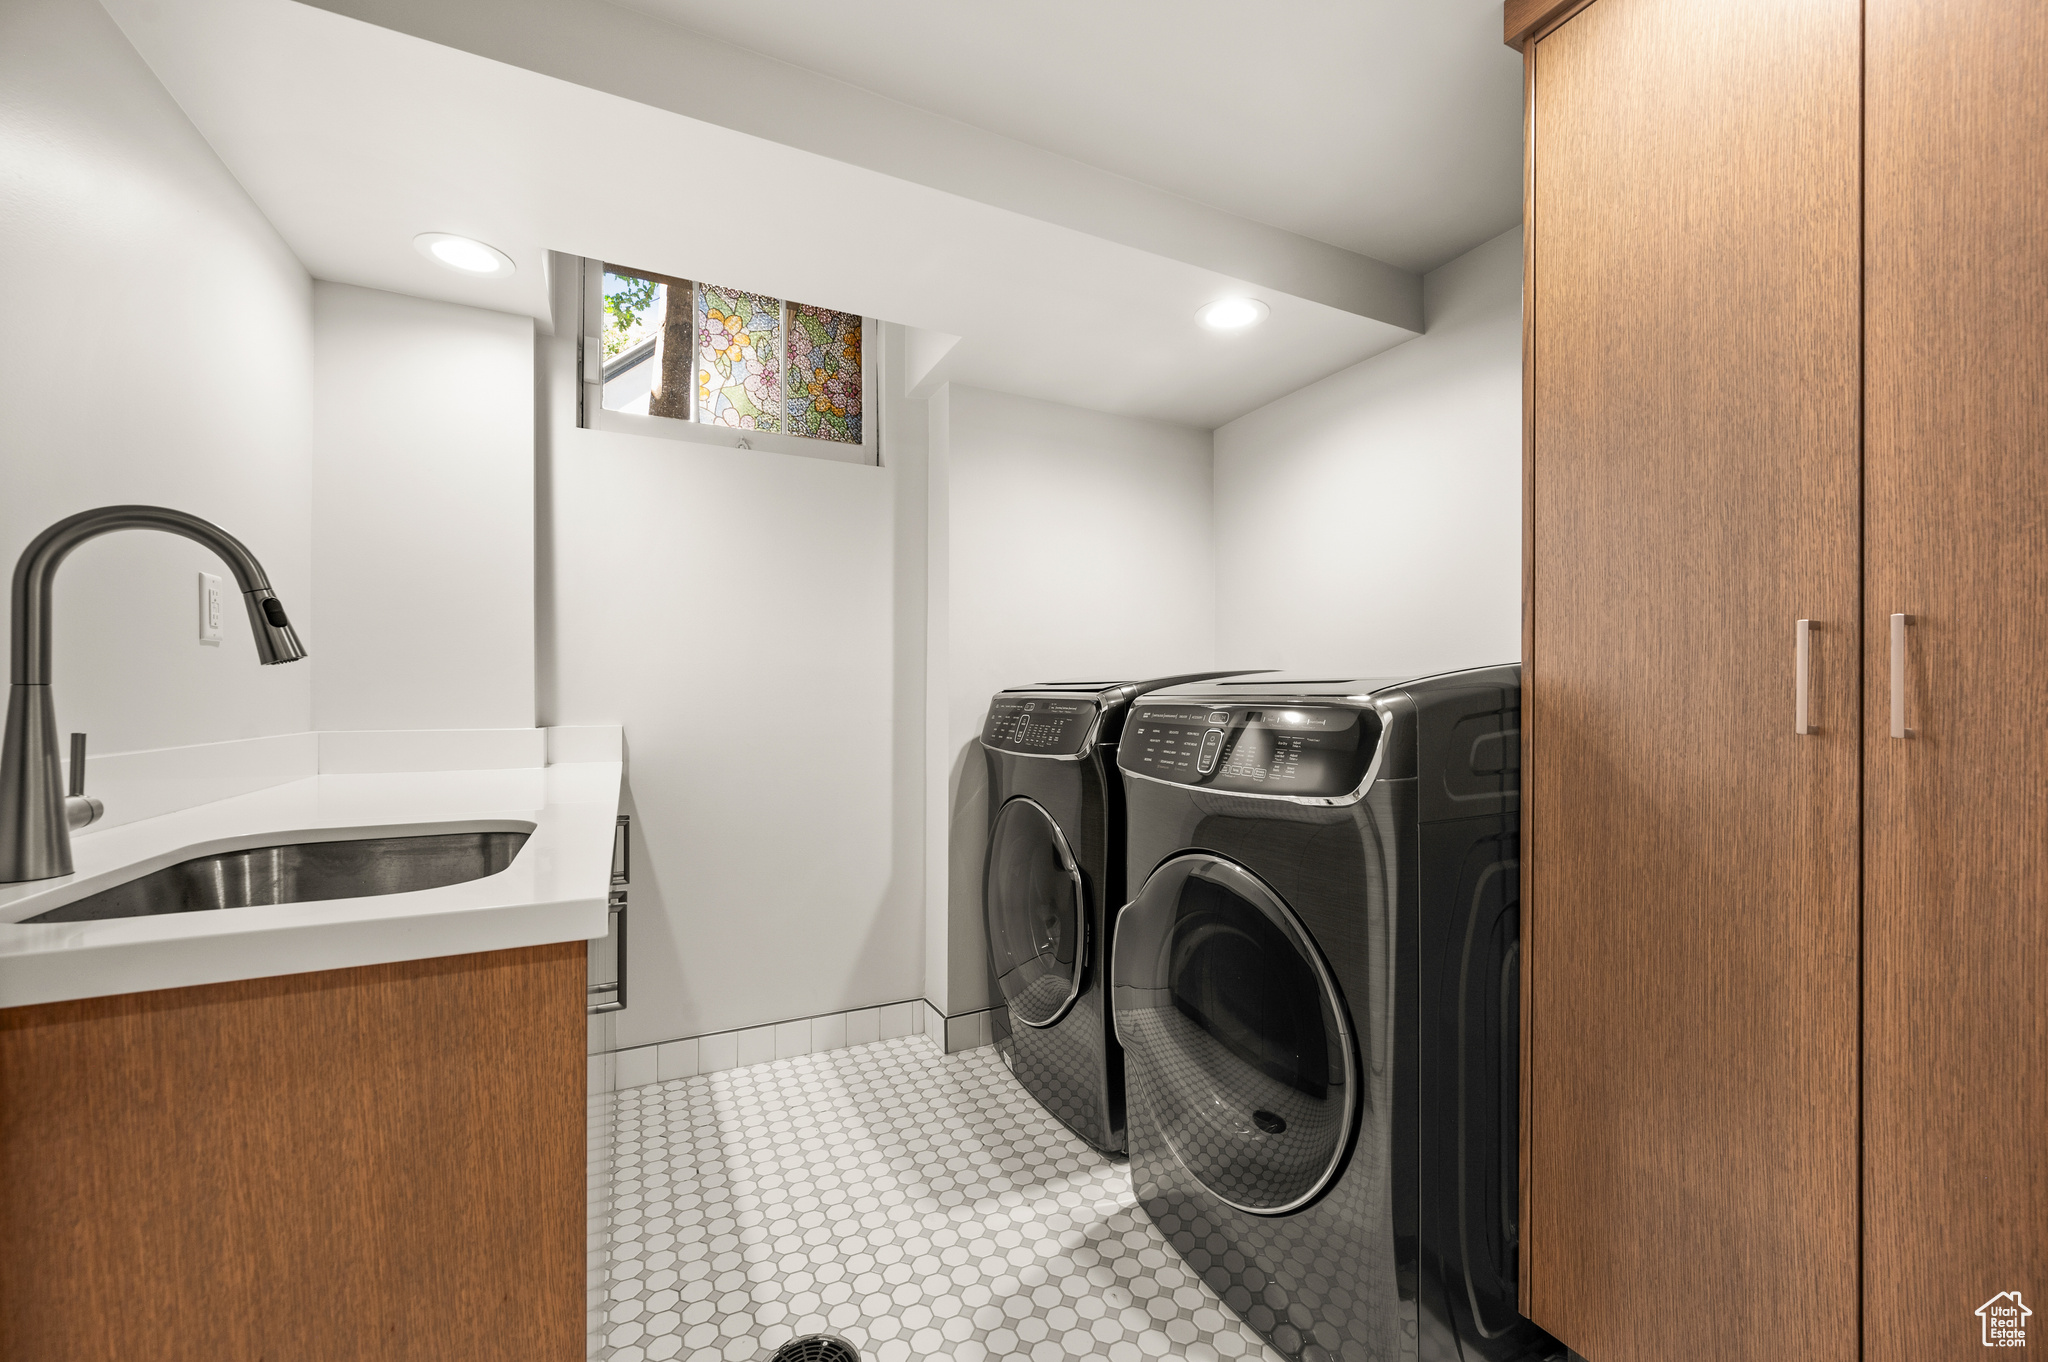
(824, 377)
(739, 359)
(713, 355)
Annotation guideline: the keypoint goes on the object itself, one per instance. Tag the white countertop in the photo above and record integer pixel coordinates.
(554, 890)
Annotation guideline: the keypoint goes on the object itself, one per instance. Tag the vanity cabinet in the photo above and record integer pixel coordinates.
(1786, 984)
(381, 1162)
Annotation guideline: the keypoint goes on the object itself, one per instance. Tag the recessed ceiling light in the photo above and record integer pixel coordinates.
(1233, 314)
(461, 253)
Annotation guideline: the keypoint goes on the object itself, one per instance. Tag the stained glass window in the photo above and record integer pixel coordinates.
(739, 359)
(722, 356)
(824, 374)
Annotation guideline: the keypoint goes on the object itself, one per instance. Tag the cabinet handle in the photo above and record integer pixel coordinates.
(616, 910)
(622, 873)
(1802, 712)
(1899, 729)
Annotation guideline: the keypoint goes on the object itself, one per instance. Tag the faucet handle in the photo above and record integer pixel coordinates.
(79, 808)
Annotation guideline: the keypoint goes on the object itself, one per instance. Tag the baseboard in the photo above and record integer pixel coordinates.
(967, 1031)
(666, 1061)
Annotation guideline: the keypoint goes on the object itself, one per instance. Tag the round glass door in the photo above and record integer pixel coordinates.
(1037, 923)
(1234, 1034)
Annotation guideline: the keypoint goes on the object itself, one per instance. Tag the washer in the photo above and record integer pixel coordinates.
(1053, 875)
(1316, 992)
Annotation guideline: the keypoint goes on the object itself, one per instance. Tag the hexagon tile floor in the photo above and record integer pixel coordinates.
(918, 1204)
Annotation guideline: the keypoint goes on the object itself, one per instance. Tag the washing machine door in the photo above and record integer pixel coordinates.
(1036, 909)
(1234, 1035)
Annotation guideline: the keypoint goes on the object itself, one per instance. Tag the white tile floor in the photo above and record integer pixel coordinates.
(918, 1204)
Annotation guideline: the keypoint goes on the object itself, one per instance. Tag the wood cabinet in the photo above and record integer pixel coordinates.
(1786, 1001)
(1955, 946)
(383, 1162)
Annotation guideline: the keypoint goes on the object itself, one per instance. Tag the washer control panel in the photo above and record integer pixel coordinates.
(1038, 725)
(1309, 750)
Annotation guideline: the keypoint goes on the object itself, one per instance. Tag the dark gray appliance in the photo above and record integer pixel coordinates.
(1315, 989)
(1053, 875)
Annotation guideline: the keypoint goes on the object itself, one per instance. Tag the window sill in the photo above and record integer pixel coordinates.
(725, 437)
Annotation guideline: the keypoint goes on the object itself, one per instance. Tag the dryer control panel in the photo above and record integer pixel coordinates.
(1038, 725)
(1320, 751)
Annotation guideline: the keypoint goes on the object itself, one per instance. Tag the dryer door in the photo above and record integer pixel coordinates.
(1235, 1035)
(1032, 896)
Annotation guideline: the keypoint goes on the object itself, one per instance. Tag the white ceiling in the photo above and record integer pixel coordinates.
(1391, 128)
(1062, 281)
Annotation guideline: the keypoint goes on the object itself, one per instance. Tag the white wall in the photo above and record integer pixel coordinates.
(1371, 523)
(1076, 544)
(754, 620)
(800, 650)
(423, 513)
(155, 346)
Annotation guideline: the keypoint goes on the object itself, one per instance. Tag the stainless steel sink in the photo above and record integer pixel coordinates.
(304, 872)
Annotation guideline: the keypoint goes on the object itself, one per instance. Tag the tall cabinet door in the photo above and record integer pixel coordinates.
(1690, 910)
(1956, 815)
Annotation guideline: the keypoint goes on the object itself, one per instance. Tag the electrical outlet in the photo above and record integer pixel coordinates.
(210, 607)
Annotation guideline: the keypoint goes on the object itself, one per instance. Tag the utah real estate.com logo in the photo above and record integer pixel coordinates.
(2005, 1320)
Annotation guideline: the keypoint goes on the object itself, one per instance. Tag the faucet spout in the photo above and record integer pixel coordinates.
(35, 839)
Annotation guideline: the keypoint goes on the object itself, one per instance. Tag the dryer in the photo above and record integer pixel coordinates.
(1315, 986)
(1052, 876)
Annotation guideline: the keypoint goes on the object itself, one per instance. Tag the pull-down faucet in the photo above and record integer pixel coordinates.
(35, 833)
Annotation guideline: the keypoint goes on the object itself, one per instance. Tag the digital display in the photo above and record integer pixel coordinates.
(1265, 749)
(1038, 725)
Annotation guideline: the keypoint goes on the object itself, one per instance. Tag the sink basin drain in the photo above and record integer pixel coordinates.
(817, 1348)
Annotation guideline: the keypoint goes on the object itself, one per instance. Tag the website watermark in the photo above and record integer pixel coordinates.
(2005, 1320)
